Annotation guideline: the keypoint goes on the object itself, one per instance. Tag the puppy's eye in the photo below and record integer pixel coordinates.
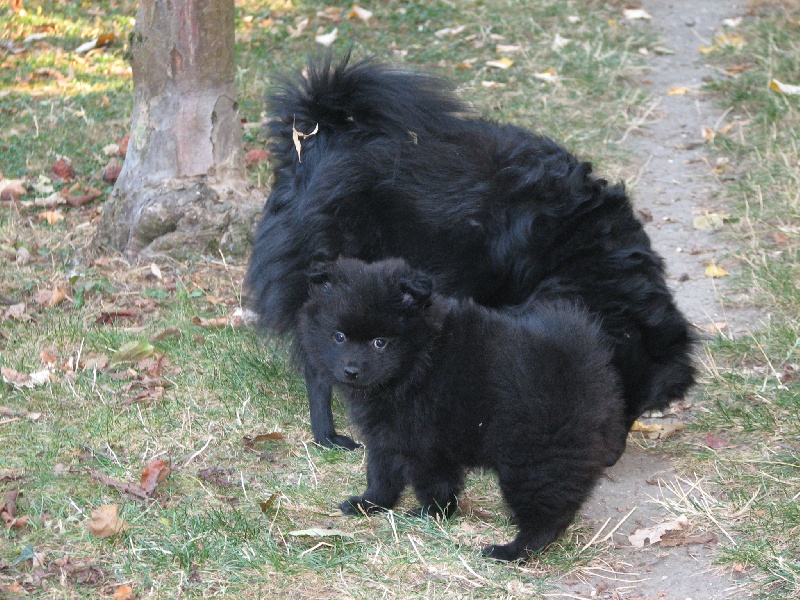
(339, 337)
(379, 343)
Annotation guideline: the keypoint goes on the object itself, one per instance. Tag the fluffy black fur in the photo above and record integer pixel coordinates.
(436, 385)
(400, 167)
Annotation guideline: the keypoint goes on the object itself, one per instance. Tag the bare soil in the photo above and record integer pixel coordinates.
(675, 183)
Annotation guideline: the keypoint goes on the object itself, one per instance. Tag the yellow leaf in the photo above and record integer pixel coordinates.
(708, 134)
(730, 39)
(548, 75)
(645, 427)
(709, 221)
(678, 90)
(784, 88)
(713, 270)
(356, 12)
(51, 216)
(500, 63)
(706, 49)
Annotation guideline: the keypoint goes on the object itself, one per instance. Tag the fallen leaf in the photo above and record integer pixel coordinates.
(492, 84)
(153, 474)
(672, 539)
(708, 134)
(105, 521)
(732, 22)
(12, 189)
(51, 216)
(731, 40)
(213, 323)
(132, 352)
(123, 144)
(111, 171)
(714, 442)
(218, 476)
(356, 12)
(51, 201)
(63, 169)
(784, 88)
(678, 90)
(449, 31)
(559, 42)
(17, 312)
(715, 271)
(328, 38)
(655, 533)
(500, 63)
(709, 221)
(23, 380)
(548, 75)
(133, 489)
(320, 532)
(504, 49)
(780, 238)
(706, 49)
(253, 157)
(123, 592)
(636, 14)
(267, 503)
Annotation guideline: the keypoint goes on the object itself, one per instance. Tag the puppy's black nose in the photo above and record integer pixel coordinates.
(351, 372)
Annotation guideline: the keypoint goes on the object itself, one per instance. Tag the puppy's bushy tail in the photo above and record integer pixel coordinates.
(362, 98)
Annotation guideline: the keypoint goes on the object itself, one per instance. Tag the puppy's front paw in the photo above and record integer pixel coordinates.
(509, 552)
(340, 441)
(356, 506)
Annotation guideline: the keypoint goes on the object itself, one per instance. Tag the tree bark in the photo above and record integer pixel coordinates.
(182, 188)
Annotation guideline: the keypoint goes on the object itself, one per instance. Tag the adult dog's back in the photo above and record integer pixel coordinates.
(399, 166)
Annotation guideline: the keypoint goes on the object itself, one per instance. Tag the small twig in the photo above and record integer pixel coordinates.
(193, 456)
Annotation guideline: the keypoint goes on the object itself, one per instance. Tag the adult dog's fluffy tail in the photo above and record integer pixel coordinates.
(361, 99)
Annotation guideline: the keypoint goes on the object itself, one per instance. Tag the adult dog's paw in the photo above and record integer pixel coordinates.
(356, 506)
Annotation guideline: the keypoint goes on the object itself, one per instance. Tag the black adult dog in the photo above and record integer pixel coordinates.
(398, 166)
(437, 385)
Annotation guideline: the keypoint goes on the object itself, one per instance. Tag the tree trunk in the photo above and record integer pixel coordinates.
(182, 188)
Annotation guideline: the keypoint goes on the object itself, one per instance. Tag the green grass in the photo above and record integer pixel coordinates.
(199, 539)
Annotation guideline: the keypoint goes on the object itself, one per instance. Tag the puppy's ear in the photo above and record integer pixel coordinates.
(318, 273)
(416, 290)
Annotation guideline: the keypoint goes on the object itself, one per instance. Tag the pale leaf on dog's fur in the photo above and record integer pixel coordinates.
(299, 135)
(655, 533)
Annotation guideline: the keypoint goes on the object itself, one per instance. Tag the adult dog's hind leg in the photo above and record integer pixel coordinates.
(320, 388)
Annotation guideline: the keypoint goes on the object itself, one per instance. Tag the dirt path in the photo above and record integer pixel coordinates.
(675, 184)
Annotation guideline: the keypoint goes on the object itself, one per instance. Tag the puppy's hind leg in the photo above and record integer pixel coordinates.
(542, 507)
(320, 388)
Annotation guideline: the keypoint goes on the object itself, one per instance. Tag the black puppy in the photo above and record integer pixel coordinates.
(436, 385)
(399, 166)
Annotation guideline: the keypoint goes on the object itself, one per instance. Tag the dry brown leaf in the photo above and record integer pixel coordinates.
(153, 474)
(62, 169)
(12, 189)
(106, 522)
(123, 592)
(212, 323)
(23, 380)
(655, 533)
